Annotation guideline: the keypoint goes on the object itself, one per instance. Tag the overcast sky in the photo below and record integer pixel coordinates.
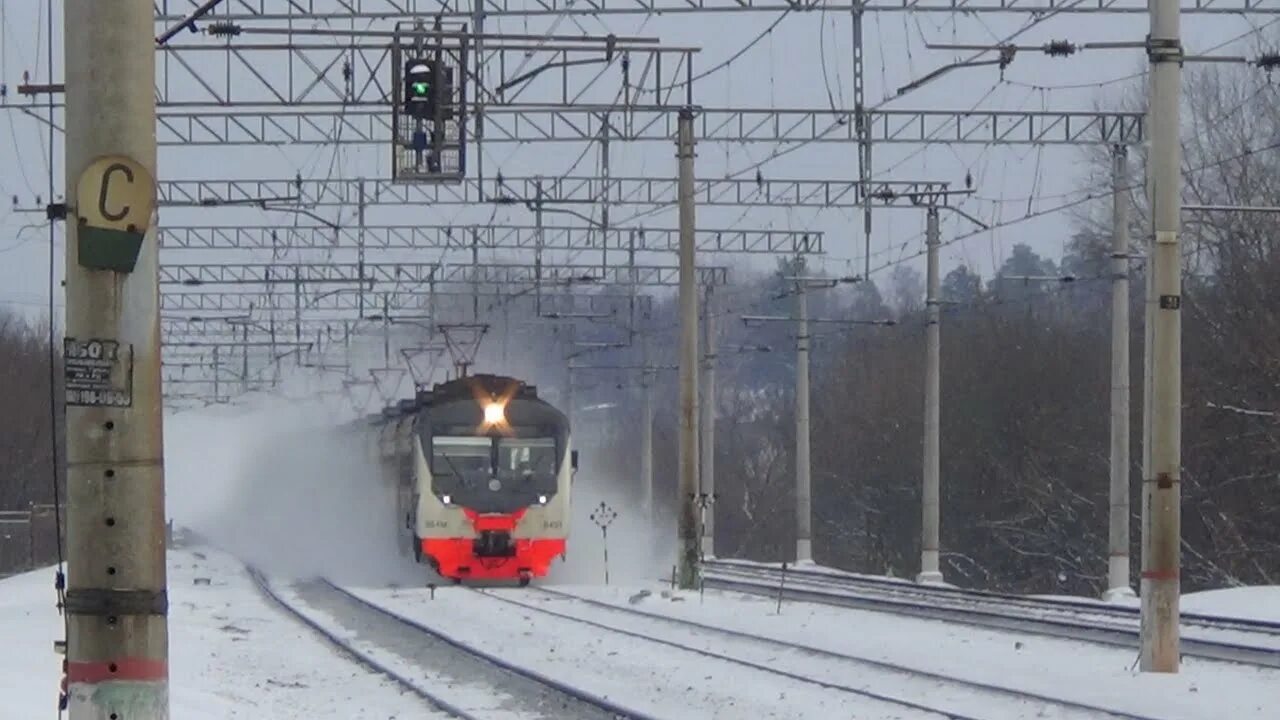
(784, 68)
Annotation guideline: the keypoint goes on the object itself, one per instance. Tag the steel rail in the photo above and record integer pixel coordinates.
(349, 650)
(1261, 627)
(879, 664)
(551, 683)
(927, 608)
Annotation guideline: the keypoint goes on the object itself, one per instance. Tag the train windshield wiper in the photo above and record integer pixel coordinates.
(462, 480)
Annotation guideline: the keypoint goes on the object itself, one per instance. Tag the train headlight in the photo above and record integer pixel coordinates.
(494, 414)
(446, 499)
(542, 499)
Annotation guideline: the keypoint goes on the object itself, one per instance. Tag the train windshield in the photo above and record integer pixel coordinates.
(494, 474)
(461, 461)
(527, 461)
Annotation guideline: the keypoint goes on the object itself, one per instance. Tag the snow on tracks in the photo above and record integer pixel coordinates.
(475, 675)
(347, 648)
(662, 681)
(1220, 639)
(947, 696)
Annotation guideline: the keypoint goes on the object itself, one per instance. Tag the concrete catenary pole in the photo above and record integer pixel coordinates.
(1161, 493)
(687, 487)
(804, 511)
(568, 374)
(1118, 563)
(929, 539)
(116, 598)
(708, 443)
(646, 430)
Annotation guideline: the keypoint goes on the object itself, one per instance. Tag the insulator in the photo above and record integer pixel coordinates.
(1059, 48)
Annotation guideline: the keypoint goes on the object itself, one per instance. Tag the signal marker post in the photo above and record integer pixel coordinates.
(603, 516)
(116, 599)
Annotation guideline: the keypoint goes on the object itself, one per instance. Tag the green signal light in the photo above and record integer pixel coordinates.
(421, 88)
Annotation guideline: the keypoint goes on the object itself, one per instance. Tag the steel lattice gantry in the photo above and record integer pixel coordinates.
(371, 125)
(358, 274)
(172, 11)
(531, 191)
(485, 237)
(186, 311)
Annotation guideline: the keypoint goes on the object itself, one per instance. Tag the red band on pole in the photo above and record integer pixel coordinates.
(1160, 574)
(124, 669)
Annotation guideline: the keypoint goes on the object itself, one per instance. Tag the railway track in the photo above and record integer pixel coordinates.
(947, 696)
(356, 655)
(1204, 637)
(466, 677)
(553, 698)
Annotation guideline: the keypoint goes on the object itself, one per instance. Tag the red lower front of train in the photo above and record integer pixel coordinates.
(494, 554)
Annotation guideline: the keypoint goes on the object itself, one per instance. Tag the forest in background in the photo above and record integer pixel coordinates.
(1025, 391)
(28, 535)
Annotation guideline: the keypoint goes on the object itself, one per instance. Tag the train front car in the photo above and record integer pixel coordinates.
(492, 472)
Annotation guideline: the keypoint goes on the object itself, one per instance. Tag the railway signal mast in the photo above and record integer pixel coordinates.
(429, 104)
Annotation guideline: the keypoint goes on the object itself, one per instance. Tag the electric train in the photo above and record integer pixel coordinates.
(482, 469)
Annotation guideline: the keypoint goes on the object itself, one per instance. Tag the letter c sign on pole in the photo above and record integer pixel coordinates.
(115, 198)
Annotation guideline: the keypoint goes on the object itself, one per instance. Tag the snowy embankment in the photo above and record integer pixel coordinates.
(669, 682)
(232, 655)
(1066, 669)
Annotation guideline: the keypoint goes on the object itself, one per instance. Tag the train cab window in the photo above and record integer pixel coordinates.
(462, 460)
(527, 459)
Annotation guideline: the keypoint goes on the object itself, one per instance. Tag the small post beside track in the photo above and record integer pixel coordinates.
(603, 516)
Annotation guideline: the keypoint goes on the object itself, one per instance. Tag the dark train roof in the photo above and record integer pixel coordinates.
(459, 389)
(473, 385)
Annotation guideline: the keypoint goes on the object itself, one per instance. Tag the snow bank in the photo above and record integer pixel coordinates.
(29, 624)
(232, 656)
(1259, 602)
(1099, 675)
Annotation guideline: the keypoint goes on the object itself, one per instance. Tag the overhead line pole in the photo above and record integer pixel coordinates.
(862, 130)
(687, 487)
(1118, 556)
(646, 427)
(803, 478)
(1161, 481)
(706, 494)
(804, 510)
(116, 598)
(931, 494)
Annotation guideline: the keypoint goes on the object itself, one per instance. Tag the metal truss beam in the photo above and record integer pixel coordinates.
(260, 321)
(576, 190)
(423, 273)
(302, 70)
(172, 11)
(371, 125)
(338, 306)
(487, 237)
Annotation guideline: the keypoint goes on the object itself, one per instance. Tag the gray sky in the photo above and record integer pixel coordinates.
(785, 68)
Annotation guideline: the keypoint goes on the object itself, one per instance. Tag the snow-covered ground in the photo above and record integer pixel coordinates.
(232, 655)
(1249, 603)
(1078, 671)
(297, 505)
(235, 656)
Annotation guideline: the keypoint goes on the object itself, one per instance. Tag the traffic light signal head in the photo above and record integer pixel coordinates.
(419, 98)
